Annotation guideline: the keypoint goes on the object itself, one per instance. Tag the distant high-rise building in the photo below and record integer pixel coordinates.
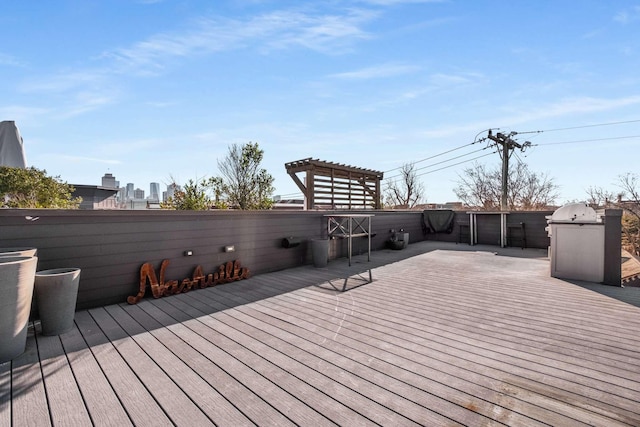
(171, 191)
(129, 193)
(108, 180)
(154, 193)
(138, 194)
(121, 196)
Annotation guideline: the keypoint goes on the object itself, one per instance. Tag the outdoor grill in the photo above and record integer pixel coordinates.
(577, 243)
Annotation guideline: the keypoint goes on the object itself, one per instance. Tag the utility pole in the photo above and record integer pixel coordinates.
(508, 144)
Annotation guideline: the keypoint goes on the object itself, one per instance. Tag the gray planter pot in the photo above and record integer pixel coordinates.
(320, 252)
(405, 239)
(56, 296)
(16, 291)
(18, 252)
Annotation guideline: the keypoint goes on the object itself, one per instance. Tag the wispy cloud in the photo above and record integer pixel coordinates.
(627, 16)
(562, 108)
(579, 105)
(397, 2)
(23, 114)
(161, 104)
(10, 60)
(85, 102)
(448, 80)
(329, 33)
(437, 82)
(378, 71)
(82, 159)
(65, 81)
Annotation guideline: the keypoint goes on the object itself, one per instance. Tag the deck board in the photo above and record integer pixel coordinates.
(5, 394)
(178, 406)
(203, 394)
(432, 378)
(212, 404)
(211, 366)
(139, 404)
(257, 373)
(302, 365)
(61, 386)
(445, 335)
(101, 402)
(438, 368)
(29, 404)
(393, 382)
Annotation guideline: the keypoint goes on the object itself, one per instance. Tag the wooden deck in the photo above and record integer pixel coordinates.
(445, 335)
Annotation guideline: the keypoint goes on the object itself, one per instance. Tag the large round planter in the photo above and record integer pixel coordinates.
(18, 252)
(16, 291)
(56, 296)
(320, 252)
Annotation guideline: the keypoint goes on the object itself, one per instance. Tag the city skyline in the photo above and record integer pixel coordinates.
(130, 191)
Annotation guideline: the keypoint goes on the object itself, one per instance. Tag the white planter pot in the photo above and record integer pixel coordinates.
(16, 291)
(56, 295)
(18, 252)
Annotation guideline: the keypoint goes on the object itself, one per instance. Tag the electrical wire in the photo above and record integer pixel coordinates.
(440, 162)
(582, 127)
(432, 157)
(521, 133)
(587, 140)
(456, 164)
(493, 152)
(291, 194)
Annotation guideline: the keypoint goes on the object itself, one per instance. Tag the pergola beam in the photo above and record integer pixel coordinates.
(362, 185)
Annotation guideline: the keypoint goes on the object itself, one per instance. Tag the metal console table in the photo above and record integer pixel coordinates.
(348, 226)
(473, 226)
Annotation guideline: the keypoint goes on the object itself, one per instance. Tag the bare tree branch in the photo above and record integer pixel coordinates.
(405, 192)
(480, 187)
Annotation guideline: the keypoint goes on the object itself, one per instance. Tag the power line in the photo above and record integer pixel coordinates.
(587, 140)
(440, 162)
(434, 156)
(582, 127)
(456, 164)
(521, 133)
(291, 194)
(519, 160)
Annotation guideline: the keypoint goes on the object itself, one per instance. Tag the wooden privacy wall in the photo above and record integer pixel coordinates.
(111, 246)
(331, 185)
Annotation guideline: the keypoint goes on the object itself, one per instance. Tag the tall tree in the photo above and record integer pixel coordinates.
(244, 183)
(33, 188)
(481, 187)
(406, 190)
(195, 195)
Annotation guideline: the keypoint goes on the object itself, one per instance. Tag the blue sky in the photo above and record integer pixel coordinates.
(151, 89)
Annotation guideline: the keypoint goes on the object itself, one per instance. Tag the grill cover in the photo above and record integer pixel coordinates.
(575, 212)
(438, 221)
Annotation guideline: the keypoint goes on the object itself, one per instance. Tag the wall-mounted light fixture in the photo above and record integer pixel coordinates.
(188, 253)
(229, 248)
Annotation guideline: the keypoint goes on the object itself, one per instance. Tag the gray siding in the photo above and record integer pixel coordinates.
(110, 246)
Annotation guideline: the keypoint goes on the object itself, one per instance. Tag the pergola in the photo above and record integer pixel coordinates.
(336, 186)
